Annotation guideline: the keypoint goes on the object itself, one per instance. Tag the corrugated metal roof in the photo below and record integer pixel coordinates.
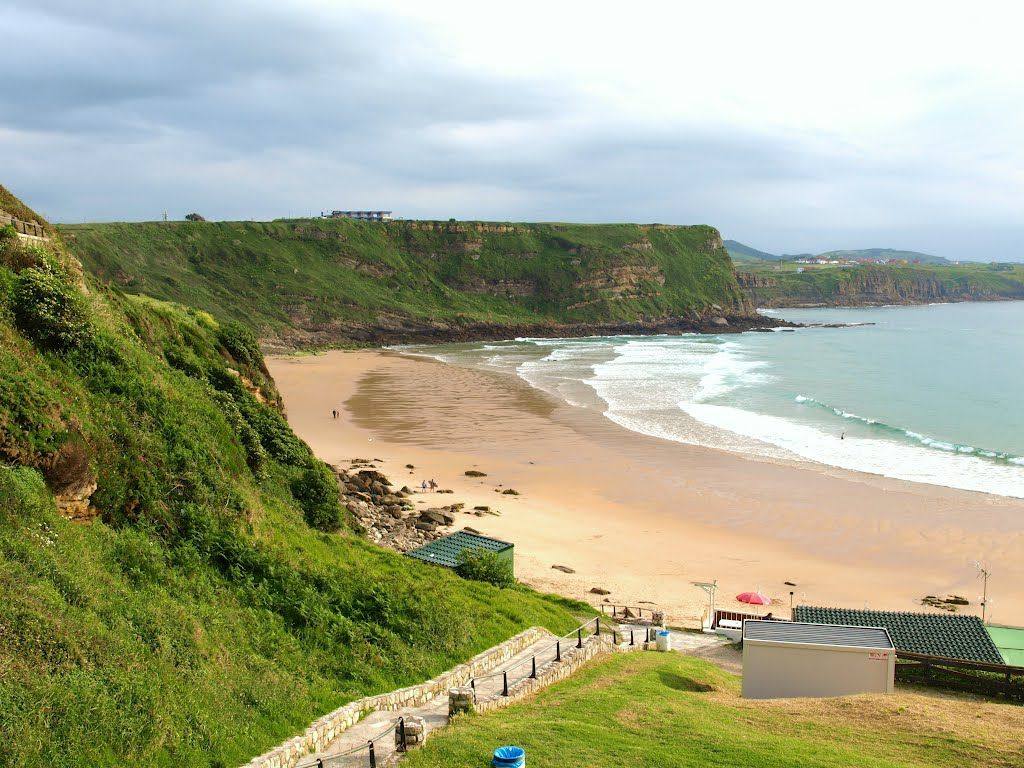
(818, 634)
(954, 636)
(445, 551)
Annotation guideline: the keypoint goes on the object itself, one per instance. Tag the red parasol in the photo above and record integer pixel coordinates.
(754, 598)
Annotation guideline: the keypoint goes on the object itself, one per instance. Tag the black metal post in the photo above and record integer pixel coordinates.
(504, 683)
(579, 637)
(533, 668)
(614, 610)
(597, 625)
(373, 757)
(632, 640)
(472, 683)
(558, 650)
(319, 763)
(402, 745)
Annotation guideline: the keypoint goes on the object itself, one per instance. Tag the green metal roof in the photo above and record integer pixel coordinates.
(936, 634)
(445, 551)
(1010, 642)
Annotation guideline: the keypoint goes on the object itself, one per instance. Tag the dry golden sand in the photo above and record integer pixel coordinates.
(644, 517)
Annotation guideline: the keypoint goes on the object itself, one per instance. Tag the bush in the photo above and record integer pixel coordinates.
(481, 565)
(316, 491)
(49, 309)
(241, 344)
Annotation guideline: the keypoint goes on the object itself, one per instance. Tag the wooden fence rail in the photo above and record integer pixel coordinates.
(30, 228)
(974, 676)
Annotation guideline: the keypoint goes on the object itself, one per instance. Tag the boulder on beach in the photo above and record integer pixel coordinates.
(475, 473)
(563, 568)
(599, 591)
(510, 492)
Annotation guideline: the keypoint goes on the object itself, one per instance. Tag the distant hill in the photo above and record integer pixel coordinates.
(741, 252)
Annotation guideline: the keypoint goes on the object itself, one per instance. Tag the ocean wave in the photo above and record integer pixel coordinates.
(915, 437)
(874, 455)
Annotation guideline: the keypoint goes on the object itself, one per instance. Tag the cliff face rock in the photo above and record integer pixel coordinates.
(331, 281)
(881, 285)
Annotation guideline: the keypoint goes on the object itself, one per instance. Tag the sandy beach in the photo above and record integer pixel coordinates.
(644, 517)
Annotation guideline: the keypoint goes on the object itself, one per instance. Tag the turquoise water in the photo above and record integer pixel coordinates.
(928, 393)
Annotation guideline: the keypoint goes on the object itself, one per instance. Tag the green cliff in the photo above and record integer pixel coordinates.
(878, 285)
(330, 281)
(178, 583)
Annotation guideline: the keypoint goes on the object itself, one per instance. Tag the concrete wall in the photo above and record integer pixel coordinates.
(781, 670)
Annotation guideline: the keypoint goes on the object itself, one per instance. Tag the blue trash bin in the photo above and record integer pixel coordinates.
(509, 757)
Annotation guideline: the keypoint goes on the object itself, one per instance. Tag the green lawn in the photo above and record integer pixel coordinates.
(654, 710)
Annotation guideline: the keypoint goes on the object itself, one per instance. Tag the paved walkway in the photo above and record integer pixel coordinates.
(378, 726)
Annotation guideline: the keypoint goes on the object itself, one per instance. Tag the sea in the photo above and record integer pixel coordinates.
(930, 394)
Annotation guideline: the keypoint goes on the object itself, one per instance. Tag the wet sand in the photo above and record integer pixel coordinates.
(644, 517)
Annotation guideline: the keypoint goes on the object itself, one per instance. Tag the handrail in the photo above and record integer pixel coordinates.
(638, 608)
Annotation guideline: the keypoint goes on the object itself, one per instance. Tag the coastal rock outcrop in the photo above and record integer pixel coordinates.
(388, 517)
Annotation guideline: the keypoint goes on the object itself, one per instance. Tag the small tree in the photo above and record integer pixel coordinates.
(316, 491)
(481, 565)
(194, 217)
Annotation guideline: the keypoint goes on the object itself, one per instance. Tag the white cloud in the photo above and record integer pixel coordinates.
(794, 125)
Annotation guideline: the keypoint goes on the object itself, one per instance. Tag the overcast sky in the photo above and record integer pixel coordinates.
(789, 126)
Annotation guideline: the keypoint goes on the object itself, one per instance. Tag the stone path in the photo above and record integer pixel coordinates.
(377, 726)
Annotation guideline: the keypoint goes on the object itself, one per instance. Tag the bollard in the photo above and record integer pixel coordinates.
(402, 746)
(504, 683)
(597, 625)
(579, 637)
(373, 757)
(533, 668)
(632, 640)
(558, 650)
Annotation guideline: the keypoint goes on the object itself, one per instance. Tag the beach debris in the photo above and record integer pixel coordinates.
(474, 473)
(445, 490)
(467, 529)
(482, 508)
(599, 591)
(563, 568)
(510, 492)
(409, 466)
(789, 583)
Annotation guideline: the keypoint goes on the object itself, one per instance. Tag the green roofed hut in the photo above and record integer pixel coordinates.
(952, 636)
(446, 550)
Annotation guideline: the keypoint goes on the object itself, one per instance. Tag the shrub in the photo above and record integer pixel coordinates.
(481, 565)
(23, 493)
(241, 344)
(316, 491)
(49, 309)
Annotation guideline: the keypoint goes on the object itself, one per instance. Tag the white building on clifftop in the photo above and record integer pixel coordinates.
(362, 215)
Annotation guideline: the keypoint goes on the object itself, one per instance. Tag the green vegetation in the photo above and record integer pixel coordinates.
(673, 711)
(481, 565)
(329, 281)
(11, 205)
(783, 285)
(205, 614)
(741, 252)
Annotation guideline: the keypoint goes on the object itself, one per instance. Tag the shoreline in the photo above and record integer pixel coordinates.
(642, 516)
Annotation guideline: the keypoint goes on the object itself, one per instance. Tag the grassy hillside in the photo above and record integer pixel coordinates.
(867, 285)
(327, 281)
(211, 601)
(673, 711)
(741, 252)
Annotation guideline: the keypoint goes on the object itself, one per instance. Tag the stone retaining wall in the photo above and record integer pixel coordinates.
(326, 729)
(553, 674)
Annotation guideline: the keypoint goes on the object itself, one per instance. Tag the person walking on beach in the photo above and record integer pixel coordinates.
(433, 484)
(423, 486)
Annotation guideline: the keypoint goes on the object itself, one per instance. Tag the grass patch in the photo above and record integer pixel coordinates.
(672, 711)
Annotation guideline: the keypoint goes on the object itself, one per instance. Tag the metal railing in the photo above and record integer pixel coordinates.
(487, 688)
(629, 611)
